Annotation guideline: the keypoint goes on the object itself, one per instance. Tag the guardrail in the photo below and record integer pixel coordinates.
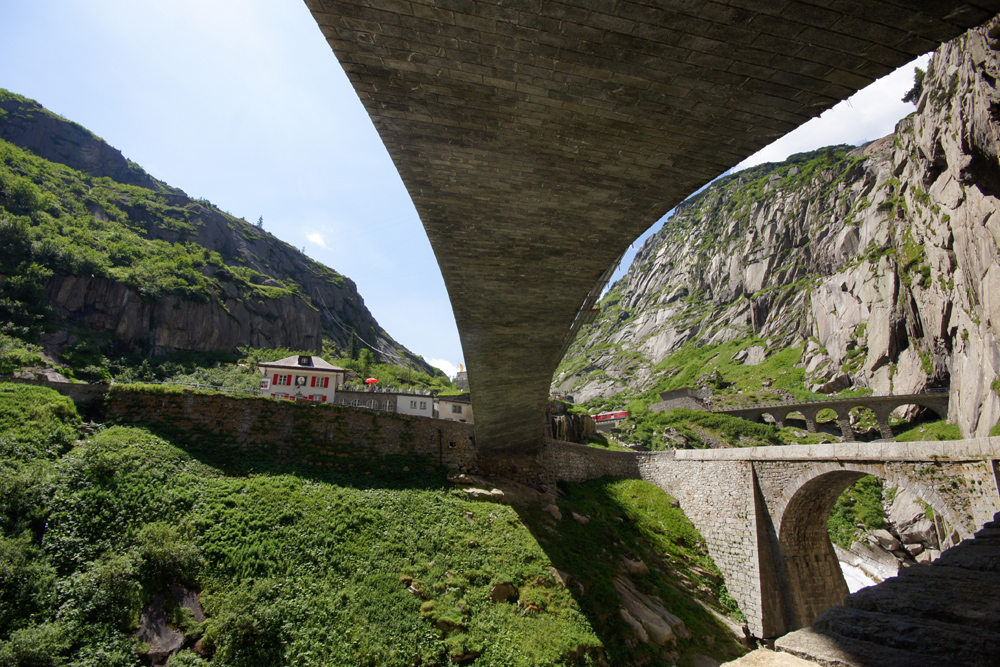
(930, 392)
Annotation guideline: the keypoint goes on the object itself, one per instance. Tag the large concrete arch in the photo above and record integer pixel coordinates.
(538, 139)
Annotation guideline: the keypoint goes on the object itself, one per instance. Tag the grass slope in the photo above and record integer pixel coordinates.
(301, 569)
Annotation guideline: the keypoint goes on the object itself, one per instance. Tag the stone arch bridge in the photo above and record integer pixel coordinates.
(882, 406)
(763, 510)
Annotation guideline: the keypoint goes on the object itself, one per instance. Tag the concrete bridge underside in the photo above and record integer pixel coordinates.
(538, 139)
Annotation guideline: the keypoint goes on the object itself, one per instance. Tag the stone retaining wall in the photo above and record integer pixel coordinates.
(319, 435)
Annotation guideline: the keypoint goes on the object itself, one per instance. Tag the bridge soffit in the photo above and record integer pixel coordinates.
(538, 140)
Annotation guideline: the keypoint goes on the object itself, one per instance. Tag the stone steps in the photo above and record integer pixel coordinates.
(943, 614)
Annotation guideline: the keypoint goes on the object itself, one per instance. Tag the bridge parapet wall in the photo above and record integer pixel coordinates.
(323, 436)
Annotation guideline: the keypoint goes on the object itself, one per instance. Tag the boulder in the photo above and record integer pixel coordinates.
(885, 539)
(837, 384)
(921, 532)
(659, 625)
(630, 566)
(155, 631)
(755, 355)
(503, 591)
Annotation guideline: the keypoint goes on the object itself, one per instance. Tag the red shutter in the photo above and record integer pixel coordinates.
(275, 381)
(313, 381)
(324, 399)
(326, 382)
(289, 381)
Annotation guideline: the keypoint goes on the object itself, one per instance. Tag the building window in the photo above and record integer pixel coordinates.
(387, 405)
(283, 380)
(423, 405)
(413, 404)
(456, 409)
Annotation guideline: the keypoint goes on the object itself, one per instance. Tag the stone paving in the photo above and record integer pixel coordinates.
(538, 139)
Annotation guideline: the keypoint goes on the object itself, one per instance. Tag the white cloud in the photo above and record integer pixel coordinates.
(450, 369)
(869, 114)
(316, 238)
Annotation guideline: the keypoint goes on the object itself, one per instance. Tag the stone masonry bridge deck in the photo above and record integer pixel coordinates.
(539, 138)
(763, 510)
(882, 406)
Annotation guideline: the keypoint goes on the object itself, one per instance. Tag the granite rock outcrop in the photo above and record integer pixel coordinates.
(881, 261)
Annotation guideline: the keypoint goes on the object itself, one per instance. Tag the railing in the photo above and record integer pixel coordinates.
(195, 385)
(860, 399)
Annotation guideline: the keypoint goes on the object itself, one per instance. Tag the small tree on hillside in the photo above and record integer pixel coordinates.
(913, 94)
(260, 222)
(367, 359)
(352, 347)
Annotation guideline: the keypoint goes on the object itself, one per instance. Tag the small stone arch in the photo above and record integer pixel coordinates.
(814, 580)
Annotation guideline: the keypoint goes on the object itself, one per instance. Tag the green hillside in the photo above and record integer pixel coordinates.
(299, 568)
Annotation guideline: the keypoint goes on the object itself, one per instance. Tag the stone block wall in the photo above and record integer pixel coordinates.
(726, 516)
(331, 437)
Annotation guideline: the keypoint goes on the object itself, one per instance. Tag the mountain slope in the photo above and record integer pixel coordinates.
(879, 264)
(97, 248)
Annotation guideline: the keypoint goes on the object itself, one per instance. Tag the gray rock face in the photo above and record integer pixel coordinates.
(172, 323)
(884, 266)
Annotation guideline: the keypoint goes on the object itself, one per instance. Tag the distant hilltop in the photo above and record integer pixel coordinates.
(110, 255)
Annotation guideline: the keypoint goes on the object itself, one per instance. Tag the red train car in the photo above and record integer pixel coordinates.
(611, 416)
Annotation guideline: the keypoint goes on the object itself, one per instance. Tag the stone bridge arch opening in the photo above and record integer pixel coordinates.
(814, 580)
(908, 415)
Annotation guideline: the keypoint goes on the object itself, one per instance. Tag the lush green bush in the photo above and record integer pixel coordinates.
(936, 430)
(694, 425)
(35, 421)
(860, 504)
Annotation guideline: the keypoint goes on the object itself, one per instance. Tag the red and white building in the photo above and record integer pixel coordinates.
(302, 377)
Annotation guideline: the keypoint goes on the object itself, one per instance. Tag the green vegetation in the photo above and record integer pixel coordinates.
(55, 220)
(299, 568)
(859, 505)
(935, 430)
(699, 429)
(913, 94)
(16, 354)
(638, 521)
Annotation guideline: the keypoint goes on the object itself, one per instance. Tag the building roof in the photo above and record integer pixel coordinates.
(301, 363)
(456, 398)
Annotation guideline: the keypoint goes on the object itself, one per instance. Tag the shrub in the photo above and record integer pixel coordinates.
(35, 421)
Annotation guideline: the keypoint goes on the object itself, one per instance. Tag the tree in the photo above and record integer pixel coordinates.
(260, 222)
(913, 94)
(352, 347)
(367, 359)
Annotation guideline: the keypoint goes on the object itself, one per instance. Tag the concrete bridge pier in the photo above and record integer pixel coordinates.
(810, 417)
(882, 415)
(779, 417)
(846, 430)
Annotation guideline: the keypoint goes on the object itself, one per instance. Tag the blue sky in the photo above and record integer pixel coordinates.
(243, 103)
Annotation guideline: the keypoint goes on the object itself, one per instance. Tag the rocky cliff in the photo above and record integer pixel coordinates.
(880, 262)
(142, 266)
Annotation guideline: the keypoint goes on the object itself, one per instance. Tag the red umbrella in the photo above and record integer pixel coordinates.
(371, 381)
